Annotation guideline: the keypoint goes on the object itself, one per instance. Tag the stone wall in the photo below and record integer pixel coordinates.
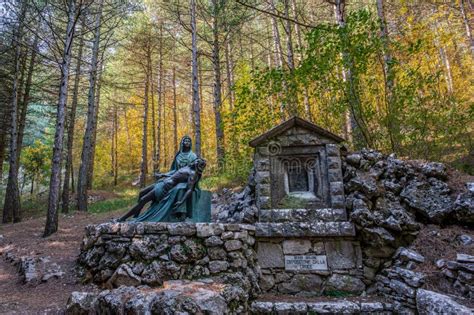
(343, 274)
(133, 254)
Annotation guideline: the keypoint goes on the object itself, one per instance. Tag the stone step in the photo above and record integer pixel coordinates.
(302, 229)
(353, 305)
(302, 215)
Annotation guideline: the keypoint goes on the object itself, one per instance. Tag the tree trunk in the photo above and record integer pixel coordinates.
(71, 124)
(196, 98)
(216, 62)
(53, 199)
(289, 37)
(115, 146)
(230, 73)
(26, 98)
(160, 100)
(307, 106)
(11, 206)
(392, 115)
(153, 122)
(90, 174)
(467, 26)
(175, 113)
(276, 38)
(354, 130)
(88, 135)
(278, 54)
(144, 162)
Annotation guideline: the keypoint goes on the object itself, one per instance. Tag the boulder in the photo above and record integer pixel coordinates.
(430, 199)
(464, 208)
(429, 302)
(434, 169)
(81, 303)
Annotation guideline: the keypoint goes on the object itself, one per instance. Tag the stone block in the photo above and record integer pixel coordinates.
(295, 247)
(334, 163)
(227, 235)
(345, 283)
(336, 307)
(187, 229)
(318, 248)
(335, 175)
(317, 229)
(264, 202)
(213, 241)
(260, 307)
(341, 255)
(263, 177)
(270, 255)
(217, 266)
(301, 283)
(209, 229)
(338, 201)
(336, 188)
(332, 150)
(267, 282)
(262, 164)
(233, 245)
(264, 190)
(217, 253)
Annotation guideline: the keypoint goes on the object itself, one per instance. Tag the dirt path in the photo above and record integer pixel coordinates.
(25, 239)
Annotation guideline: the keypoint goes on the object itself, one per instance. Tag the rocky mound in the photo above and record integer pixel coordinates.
(387, 198)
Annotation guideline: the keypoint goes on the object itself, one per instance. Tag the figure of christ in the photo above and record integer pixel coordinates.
(184, 157)
(190, 175)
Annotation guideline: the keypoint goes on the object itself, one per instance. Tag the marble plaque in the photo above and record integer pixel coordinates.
(305, 262)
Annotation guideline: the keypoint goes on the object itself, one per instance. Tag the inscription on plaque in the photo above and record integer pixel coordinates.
(306, 262)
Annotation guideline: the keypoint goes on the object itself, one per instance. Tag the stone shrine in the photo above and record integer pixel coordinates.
(305, 243)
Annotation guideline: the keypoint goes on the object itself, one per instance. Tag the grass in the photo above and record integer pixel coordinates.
(112, 204)
(36, 206)
(128, 197)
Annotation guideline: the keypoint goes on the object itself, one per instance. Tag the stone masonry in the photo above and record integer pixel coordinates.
(305, 244)
(149, 253)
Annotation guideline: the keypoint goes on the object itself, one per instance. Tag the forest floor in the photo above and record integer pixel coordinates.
(63, 248)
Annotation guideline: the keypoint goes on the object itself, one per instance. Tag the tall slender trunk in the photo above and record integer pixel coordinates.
(447, 65)
(153, 122)
(160, 100)
(216, 63)
(87, 143)
(53, 199)
(69, 174)
(164, 130)
(11, 206)
(467, 25)
(229, 62)
(90, 171)
(144, 161)
(392, 114)
(278, 55)
(289, 37)
(26, 97)
(116, 124)
(354, 124)
(196, 98)
(299, 41)
(175, 113)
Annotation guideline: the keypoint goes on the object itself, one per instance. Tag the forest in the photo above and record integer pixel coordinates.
(96, 95)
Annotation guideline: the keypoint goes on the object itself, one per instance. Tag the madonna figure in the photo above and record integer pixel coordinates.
(176, 195)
